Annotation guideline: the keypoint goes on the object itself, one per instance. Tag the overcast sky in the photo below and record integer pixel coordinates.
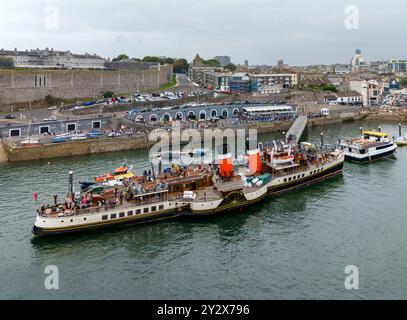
(301, 32)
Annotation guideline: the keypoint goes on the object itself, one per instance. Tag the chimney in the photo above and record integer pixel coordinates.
(225, 161)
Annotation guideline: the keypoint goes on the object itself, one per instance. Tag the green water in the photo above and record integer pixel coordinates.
(292, 246)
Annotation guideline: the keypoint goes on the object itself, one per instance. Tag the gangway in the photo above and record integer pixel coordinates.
(296, 130)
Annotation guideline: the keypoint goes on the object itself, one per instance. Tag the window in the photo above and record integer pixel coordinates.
(129, 213)
(380, 148)
(145, 210)
(161, 207)
(40, 80)
(303, 175)
(96, 124)
(121, 214)
(15, 132)
(154, 208)
(289, 179)
(138, 211)
(71, 127)
(285, 179)
(104, 217)
(113, 216)
(44, 129)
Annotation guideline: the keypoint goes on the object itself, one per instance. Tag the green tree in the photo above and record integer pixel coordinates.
(231, 67)
(151, 59)
(108, 94)
(212, 63)
(169, 60)
(180, 66)
(403, 82)
(121, 57)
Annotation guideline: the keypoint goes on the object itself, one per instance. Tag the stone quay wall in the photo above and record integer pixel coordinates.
(20, 86)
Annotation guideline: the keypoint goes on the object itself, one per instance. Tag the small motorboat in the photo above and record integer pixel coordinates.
(401, 141)
(78, 136)
(30, 142)
(63, 137)
(93, 134)
(86, 184)
(117, 174)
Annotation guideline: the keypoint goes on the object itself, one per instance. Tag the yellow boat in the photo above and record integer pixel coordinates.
(401, 142)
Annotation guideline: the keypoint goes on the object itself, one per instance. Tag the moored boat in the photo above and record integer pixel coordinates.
(370, 147)
(188, 191)
(401, 141)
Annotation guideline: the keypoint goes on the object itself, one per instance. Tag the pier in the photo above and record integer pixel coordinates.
(297, 129)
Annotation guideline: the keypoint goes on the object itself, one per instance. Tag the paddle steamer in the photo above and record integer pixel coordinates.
(196, 190)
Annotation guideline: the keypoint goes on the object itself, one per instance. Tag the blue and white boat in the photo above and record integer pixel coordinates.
(63, 137)
(94, 134)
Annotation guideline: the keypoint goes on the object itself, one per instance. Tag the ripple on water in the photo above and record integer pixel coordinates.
(290, 246)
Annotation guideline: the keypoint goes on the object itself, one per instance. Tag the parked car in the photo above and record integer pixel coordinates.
(9, 116)
(51, 118)
(53, 108)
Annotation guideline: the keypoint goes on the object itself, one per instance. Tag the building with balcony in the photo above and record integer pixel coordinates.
(287, 80)
(50, 58)
(398, 65)
(371, 90)
(242, 83)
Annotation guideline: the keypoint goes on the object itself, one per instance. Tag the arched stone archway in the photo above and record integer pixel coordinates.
(153, 117)
(191, 115)
(235, 112)
(166, 117)
(179, 116)
(214, 113)
(202, 115)
(225, 113)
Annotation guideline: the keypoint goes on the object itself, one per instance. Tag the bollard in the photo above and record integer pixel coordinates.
(361, 130)
(399, 129)
(380, 129)
(70, 183)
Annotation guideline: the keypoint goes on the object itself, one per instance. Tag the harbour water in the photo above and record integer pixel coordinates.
(293, 246)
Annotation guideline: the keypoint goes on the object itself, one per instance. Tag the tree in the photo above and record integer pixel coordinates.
(212, 63)
(231, 67)
(403, 82)
(121, 57)
(180, 66)
(108, 94)
(151, 59)
(169, 60)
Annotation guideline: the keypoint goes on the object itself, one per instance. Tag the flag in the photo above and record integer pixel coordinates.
(35, 195)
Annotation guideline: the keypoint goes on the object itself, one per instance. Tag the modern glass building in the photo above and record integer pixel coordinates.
(398, 65)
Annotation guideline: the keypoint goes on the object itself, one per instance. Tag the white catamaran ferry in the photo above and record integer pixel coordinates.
(371, 146)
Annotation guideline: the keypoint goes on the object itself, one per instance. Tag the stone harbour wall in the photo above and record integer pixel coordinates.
(19, 86)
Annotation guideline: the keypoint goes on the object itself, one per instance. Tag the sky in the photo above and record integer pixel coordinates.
(302, 32)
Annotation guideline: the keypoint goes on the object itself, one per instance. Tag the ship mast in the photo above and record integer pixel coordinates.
(148, 145)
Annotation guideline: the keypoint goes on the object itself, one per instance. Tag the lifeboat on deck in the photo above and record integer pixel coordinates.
(284, 159)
